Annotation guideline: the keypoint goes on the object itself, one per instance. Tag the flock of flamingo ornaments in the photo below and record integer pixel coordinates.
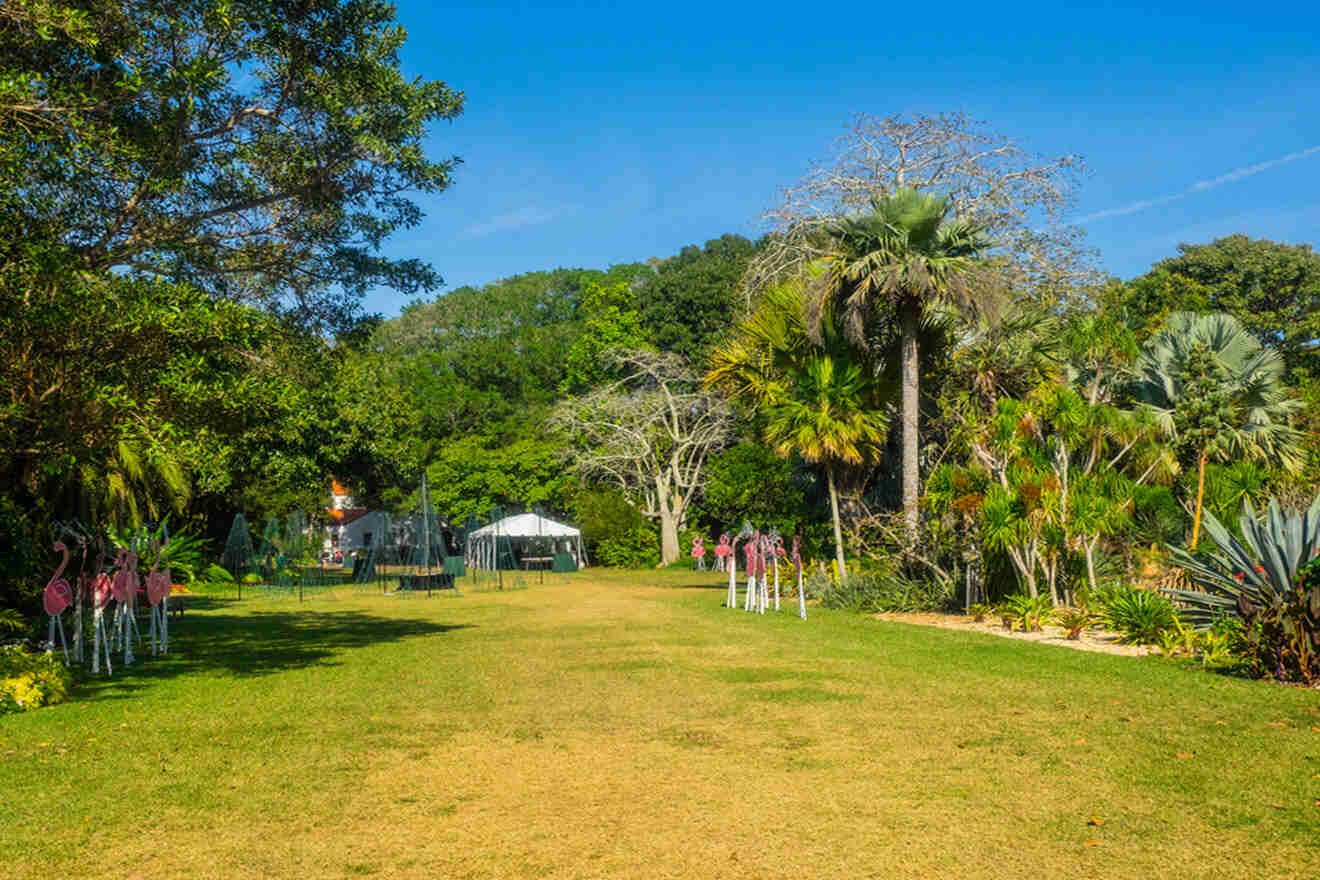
(761, 553)
(113, 598)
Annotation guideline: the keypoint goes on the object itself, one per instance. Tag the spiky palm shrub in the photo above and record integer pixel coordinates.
(1269, 580)
(1140, 615)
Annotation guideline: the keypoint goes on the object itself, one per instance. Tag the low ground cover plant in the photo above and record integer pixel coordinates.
(880, 589)
(1027, 613)
(31, 679)
(1074, 620)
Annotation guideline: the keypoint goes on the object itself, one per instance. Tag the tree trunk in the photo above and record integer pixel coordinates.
(911, 398)
(668, 538)
(1200, 497)
(838, 530)
(668, 523)
(1090, 564)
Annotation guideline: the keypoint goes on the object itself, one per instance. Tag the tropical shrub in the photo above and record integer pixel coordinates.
(186, 554)
(637, 546)
(216, 574)
(12, 620)
(1218, 646)
(1269, 580)
(1074, 620)
(885, 589)
(31, 680)
(1157, 517)
(1140, 615)
(1028, 613)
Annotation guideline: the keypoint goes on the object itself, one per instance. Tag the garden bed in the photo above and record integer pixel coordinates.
(1096, 640)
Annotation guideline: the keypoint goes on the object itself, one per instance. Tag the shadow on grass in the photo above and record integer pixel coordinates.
(676, 584)
(252, 644)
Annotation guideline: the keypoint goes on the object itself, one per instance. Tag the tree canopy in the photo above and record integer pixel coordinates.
(260, 151)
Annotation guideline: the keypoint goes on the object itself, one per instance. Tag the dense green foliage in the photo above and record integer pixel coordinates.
(191, 194)
(692, 300)
(1140, 615)
(31, 679)
(259, 151)
(748, 480)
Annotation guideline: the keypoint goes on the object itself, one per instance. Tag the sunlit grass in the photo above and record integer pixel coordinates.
(624, 724)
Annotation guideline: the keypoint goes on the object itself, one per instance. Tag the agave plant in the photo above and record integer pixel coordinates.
(1266, 582)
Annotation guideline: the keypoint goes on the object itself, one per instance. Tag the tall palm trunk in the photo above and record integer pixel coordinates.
(838, 530)
(1200, 498)
(911, 396)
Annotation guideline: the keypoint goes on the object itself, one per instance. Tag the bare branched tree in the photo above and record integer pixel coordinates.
(649, 434)
(1020, 199)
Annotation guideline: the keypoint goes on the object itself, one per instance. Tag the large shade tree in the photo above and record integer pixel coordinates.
(1022, 200)
(260, 150)
(649, 434)
(906, 254)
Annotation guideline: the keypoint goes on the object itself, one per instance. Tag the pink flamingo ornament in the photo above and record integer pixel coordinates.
(732, 600)
(158, 591)
(102, 592)
(777, 553)
(699, 552)
(722, 550)
(797, 562)
(56, 598)
(121, 586)
(124, 588)
(755, 563)
(80, 596)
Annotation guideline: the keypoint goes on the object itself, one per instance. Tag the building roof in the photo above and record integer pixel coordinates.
(345, 516)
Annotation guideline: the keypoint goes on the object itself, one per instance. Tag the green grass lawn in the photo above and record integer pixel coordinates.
(625, 725)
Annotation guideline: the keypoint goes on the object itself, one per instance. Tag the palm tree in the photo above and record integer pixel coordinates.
(1216, 391)
(817, 401)
(128, 481)
(824, 419)
(909, 251)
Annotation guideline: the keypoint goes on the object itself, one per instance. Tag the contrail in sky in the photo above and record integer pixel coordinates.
(1201, 186)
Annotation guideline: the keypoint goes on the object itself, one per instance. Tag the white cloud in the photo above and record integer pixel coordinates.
(531, 215)
(1200, 186)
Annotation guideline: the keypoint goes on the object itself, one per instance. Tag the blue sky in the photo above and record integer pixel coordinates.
(597, 133)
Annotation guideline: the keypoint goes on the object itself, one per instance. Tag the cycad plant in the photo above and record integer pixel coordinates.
(1269, 580)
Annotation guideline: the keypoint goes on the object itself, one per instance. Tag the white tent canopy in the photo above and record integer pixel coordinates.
(521, 529)
(527, 525)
